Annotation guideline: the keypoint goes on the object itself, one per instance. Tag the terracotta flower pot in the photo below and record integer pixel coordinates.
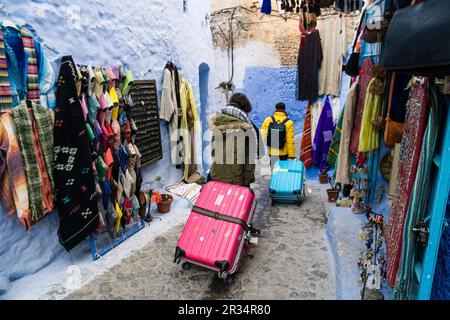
(164, 206)
(333, 195)
(323, 178)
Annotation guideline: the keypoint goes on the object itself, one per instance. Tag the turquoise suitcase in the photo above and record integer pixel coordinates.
(288, 182)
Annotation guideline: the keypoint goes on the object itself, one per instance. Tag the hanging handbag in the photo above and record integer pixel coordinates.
(417, 41)
(352, 66)
(394, 130)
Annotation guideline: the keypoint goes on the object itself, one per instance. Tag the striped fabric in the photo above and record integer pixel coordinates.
(189, 191)
(37, 151)
(33, 71)
(6, 100)
(306, 146)
(334, 147)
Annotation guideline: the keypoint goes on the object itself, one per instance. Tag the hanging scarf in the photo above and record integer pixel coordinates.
(418, 203)
(43, 123)
(415, 123)
(74, 178)
(6, 100)
(324, 136)
(369, 137)
(32, 72)
(306, 147)
(334, 147)
(365, 76)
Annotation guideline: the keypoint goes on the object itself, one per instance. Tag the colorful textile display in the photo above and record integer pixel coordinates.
(74, 178)
(415, 124)
(306, 146)
(324, 136)
(308, 63)
(35, 135)
(344, 159)
(189, 191)
(365, 76)
(420, 195)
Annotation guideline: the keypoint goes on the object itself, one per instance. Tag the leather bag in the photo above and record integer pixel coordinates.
(393, 132)
(417, 41)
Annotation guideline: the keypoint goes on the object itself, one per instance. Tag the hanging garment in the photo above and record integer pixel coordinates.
(306, 146)
(74, 178)
(365, 76)
(308, 63)
(266, 7)
(415, 123)
(170, 112)
(335, 143)
(334, 45)
(13, 181)
(25, 69)
(324, 135)
(190, 126)
(344, 159)
(420, 195)
(35, 135)
(369, 138)
(316, 111)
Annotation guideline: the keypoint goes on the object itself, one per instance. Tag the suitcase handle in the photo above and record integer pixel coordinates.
(223, 217)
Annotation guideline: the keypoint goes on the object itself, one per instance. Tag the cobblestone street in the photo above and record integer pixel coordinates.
(290, 261)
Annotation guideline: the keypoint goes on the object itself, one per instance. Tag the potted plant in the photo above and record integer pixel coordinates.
(323, 176)
(333, 193)
(163, 201)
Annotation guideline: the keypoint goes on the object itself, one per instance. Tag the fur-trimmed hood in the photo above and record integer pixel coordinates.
(225, 122)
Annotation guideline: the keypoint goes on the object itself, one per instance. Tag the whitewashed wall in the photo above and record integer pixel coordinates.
(143, 34)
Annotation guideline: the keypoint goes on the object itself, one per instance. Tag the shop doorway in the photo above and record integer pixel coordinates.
(203, 71)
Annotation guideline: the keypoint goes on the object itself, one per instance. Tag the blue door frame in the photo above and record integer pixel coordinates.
(441, 186)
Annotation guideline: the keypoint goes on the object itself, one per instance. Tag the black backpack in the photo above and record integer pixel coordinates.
(277, 130)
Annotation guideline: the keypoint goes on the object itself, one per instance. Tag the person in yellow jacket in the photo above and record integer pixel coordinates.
(287, 151)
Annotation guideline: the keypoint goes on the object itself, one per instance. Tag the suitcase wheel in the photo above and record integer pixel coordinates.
(186, 265)
(224, 275)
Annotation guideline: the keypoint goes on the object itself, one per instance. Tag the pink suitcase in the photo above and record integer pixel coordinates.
(217, 229)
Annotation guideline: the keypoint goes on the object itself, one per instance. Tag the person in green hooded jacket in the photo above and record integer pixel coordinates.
(235, 144)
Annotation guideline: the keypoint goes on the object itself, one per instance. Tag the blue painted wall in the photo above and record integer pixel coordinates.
(266, 86)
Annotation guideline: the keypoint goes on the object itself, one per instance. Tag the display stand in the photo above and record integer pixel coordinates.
(97, 254)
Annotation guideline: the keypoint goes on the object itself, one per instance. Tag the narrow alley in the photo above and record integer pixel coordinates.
(290, 261)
